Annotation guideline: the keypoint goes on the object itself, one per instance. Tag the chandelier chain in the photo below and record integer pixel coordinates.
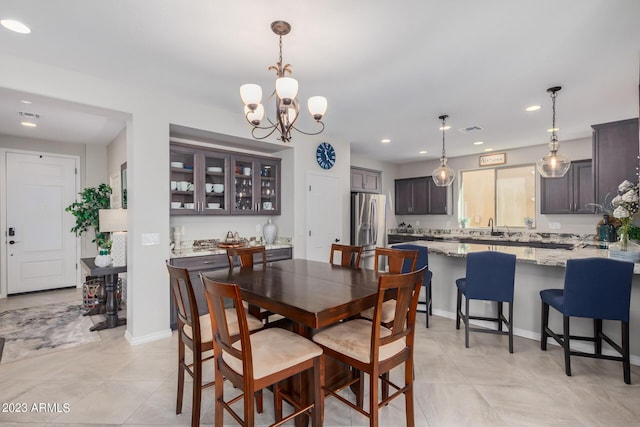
(443, 124)
(553, 116)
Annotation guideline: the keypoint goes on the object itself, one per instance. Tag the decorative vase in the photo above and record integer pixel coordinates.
(103, 259)
(269, 231)
(625, 249)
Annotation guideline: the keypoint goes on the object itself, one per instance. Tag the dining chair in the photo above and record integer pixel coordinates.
(423, 261)
(595, 288)
(349, 255)
(490, 276)
(368, 347)
(246, 257)
(262, 359)
(195, 333)
(396, 261)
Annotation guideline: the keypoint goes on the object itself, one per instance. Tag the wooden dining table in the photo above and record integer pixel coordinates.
(312, 295)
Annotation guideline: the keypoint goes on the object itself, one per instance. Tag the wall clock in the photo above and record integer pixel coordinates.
(325, 155)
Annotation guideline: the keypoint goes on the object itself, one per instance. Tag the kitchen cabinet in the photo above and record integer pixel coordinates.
(204, 263)
(615, 157)
(256, 185)
(366, 181)
(216, 182)
(420, 196)
(569, 194)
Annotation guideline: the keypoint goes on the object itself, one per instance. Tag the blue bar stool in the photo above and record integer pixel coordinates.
(595, 288)
(490, 277)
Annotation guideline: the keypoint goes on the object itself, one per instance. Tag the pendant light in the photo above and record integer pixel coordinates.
(443, 176)
(554, 164)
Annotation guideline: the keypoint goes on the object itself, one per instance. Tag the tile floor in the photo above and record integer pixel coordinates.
(111, 383)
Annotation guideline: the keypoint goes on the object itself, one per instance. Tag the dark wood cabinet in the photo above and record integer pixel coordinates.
(366, 180)
(215, 182)
(615, 157)
(420, 196)
(202, 264)
(570, 194)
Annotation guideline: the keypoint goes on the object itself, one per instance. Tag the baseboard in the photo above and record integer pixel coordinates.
(535, 336)
(146, 338)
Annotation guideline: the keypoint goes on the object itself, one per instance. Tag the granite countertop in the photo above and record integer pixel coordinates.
(191, 251)
(538, 256)
(512, 236)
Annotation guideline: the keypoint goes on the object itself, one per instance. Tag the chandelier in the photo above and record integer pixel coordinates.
(287, 105)
(443, 176)
(553, 165)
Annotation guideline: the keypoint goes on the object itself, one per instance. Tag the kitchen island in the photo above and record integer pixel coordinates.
(536, 269)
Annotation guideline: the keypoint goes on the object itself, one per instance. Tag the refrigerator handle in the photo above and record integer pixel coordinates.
(374, 216)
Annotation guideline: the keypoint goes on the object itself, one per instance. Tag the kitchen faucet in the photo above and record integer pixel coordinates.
(490, 224)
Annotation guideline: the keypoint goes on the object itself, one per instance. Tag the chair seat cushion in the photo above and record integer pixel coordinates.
(353, 338)
(553, 297)
(274, 350)
(206, 331)
(388, 311)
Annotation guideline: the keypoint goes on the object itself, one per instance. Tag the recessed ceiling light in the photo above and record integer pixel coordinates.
(13, 25)
(533, 108)
(28, 124)
(423, 152)
(478, 143)
(488, 149)
(553, 129)
(24, 101)
(385, 141)
(447, 127)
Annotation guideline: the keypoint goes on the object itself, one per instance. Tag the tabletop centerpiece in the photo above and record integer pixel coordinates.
(625, 208)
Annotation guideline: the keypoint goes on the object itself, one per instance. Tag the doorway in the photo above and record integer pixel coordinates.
(40, 250)
(324, 215)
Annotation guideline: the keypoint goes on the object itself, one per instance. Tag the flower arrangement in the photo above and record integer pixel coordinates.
(625, 208)
(528, 222)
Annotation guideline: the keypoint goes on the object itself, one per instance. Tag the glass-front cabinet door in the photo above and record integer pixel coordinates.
(269, 186)
(183, 182)
(216, 193)
(244, 201)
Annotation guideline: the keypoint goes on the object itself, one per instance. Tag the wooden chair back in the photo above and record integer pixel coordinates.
(246, 255)
(186, 305)
(349, 255)
(396, 258)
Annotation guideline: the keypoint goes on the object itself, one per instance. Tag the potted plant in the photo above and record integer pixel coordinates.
(464, 221)
(92, 199)
(528, 222)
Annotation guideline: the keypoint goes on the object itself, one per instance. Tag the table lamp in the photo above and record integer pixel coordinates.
(114, 221)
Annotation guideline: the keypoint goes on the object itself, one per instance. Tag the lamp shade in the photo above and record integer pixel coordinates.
(317, 106)
(251, 95)
(553, 165)
(254, 116)
(287, 89)
(112, 220)
(443, 176)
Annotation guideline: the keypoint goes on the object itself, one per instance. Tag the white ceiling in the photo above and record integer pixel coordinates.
(388, 69)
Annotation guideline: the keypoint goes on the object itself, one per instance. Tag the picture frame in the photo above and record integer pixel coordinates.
(492, 159)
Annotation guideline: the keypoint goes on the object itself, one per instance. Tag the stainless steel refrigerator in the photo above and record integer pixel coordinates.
(368, 225)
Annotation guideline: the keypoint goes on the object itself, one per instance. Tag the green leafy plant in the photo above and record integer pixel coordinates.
(92, 199)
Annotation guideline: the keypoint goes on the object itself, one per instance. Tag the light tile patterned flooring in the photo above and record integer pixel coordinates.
(112, 383)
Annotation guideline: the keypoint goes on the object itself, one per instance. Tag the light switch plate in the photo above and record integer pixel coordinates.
(150, 239)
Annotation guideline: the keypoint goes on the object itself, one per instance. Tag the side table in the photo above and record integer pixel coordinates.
(110, 274)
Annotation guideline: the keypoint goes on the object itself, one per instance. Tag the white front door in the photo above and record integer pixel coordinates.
(324, 215)
(41, 249)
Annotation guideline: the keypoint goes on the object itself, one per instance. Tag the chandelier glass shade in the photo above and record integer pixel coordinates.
(287, 106)
(443, 176)
(553, 164)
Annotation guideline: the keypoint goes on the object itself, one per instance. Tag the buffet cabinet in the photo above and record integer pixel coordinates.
(214, 182)
(204, 263)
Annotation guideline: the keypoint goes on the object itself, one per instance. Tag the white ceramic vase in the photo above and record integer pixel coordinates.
(103, 259)
(269, 231)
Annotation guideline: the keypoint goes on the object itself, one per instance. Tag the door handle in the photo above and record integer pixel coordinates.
(337, 240)
(13, 242)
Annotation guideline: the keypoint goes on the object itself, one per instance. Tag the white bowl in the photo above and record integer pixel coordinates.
(214, 169)
(177, 164)
(189, 205)
(218, 188)
(213, 205)
(176, 205)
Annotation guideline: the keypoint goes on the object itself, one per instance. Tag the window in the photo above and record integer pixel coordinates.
(508, 195)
